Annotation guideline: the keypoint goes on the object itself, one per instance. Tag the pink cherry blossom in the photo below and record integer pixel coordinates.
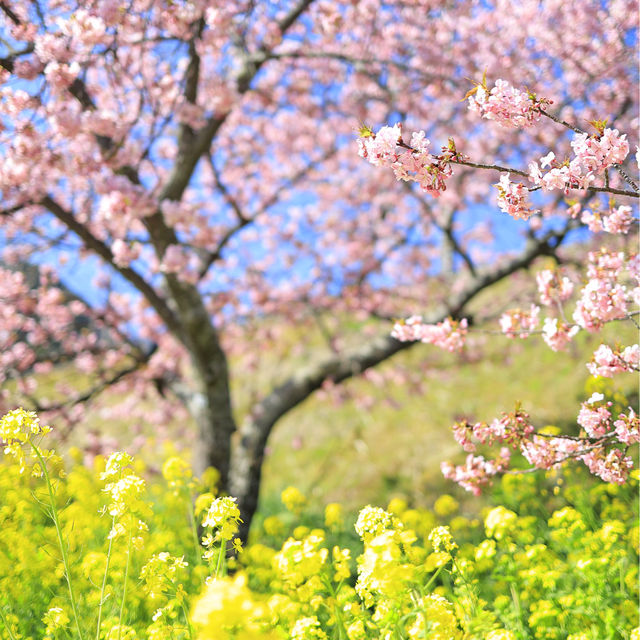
(606, 362)
(558, 334)
(409, 162)
(382, 148)
(449, 334)
(506, 105)
(123, 253)
(593, 220)
(518, 322)
(553, 287)
(592, 156)
(477, 471)
(619, 220)
(546, 452)
(513, 199)
(596, 153)
(612, 467)
(596, 421)
(627, 427)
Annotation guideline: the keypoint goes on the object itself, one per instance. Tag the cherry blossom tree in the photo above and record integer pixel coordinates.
(199, 160)
(611, 292)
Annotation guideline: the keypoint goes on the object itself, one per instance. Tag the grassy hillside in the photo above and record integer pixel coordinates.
(347, 454)
(393, 445)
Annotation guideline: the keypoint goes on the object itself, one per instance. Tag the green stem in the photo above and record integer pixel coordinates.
(342, 631)
(433, 577)
(186, 617)
(126, 578)
(194, 531)
(471, 593)
(223, 544)
(516, 603)
(56, 522)
(7, 627)
(104, 581)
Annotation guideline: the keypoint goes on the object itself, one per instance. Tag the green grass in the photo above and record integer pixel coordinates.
(396, 447)
(357, 456)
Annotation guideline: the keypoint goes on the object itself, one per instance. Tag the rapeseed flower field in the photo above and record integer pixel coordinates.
(116, 553)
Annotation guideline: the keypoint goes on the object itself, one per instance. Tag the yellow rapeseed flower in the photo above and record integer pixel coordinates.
(223, 515)
(500, 634)
(499, 521)
(293, 499)
(299, 560)
(441, 540)
(372, 521)
(55, 619)
(273, 526)
(438, 616)
(308, 629)
(397, 506)
(333, 516)
(446, 505)
(177, 472)
(229, 610)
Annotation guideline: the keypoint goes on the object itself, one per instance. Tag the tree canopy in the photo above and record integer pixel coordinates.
(197, 162)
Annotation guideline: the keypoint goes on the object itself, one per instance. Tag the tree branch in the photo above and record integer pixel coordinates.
(101, 249)
(447, 229)
(9, 13)
(8, 62)
(289, 20)
(337, 369)
(100, 387)
(519, 172)
(249, 453)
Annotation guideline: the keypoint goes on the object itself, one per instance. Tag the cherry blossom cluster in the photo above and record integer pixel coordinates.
(125, 253)
(413, 162)
(607, 361)
(449, 334)
(603, 298)
(26, 311)
(553, 287)
(477, 471)
(519, 322)
(558, 334)
(616, 220)
(511, 429)
(597, 153)
(546, 450)
(594, 416)
(513, 198)
(593, 156)
(612, 466)
(627, 427)
(122, 202)
(506, 105)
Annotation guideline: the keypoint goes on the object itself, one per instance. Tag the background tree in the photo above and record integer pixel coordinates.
(188, 170)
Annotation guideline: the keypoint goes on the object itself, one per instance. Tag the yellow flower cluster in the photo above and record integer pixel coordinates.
(547, 565)
(228, 609)
(293, 499)
(17, 428)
